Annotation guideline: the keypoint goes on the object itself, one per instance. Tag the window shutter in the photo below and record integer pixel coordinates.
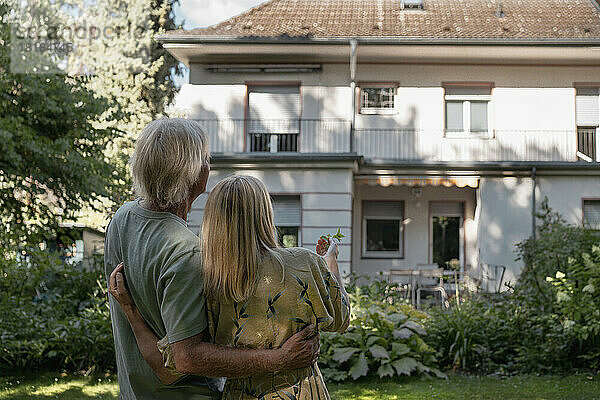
(453, 90)
(446, 208)
(273, 109)
(587, 106)
(591, 213)
(286, 210)
(383, 209)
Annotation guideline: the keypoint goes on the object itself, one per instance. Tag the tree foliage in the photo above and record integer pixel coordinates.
(127, 67)
(51, 152)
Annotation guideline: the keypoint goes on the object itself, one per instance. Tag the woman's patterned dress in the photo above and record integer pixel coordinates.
(289, 296)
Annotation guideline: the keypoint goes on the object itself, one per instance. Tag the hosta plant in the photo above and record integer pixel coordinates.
(384, 339)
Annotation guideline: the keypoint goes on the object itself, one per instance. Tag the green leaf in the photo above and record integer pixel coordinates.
(397, 318)
(354, 336)
(399, 349)
(344, 353)
(360, 367)
(375, 339)
(403, 333)
(422, 367)
(415, 327)
(334, 374)
(405, 366)
(589, 288)
(385, 370)
(562, 296)
(439, 373)
(379, 352)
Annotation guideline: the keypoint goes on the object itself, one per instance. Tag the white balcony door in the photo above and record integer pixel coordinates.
(587, 110)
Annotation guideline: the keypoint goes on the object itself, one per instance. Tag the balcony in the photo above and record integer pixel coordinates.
(334, 136)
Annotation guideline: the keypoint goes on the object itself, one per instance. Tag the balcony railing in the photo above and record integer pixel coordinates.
(273, 135)
(500, 145)
(276, 135)
(333, 136)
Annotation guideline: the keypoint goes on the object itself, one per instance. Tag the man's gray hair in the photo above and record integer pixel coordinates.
(168, 158)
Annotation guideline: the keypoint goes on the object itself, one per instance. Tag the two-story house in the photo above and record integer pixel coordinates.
(426, 130)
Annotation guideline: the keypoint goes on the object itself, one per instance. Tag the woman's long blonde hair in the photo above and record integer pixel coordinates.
(238, 227)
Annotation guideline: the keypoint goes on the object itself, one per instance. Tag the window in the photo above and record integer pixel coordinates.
(467, 110)
(382, 229)
(287, 219)
(273, 117)
(591, 214)
(377, 99)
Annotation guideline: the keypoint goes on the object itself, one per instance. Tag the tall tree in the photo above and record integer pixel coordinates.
(52, 159)
(127, 66)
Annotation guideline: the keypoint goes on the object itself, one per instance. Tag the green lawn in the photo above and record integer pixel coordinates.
(69, 387)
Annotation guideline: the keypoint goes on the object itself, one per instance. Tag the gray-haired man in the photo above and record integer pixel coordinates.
(163, 270)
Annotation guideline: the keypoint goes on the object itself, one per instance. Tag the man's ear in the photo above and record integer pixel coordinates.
(199, 186)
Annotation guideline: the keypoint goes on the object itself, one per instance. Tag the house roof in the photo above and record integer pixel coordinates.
(440, 19)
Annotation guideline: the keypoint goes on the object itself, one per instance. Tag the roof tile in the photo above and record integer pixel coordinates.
(526, 19)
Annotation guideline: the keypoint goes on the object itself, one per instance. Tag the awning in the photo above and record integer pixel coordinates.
(395, 180)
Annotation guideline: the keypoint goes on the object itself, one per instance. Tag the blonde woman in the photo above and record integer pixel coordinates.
(258, 294)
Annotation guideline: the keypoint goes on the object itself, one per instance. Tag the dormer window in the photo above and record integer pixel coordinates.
(378, 98)
(411, 4)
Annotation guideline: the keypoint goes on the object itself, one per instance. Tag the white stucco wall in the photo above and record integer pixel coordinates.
(504, 221)
(325, 200)
(505, 212)
(566, 193)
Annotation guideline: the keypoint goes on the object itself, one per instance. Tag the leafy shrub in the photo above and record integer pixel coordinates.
(548, 322)
(384, 338)
(556, 243)
(578, 303)
(495, 334)
(53, 315)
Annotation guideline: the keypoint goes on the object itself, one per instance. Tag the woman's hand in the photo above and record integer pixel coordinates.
(117, 288)
(332, 251)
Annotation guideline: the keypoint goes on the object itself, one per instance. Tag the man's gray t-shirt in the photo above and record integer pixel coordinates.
(163, 274)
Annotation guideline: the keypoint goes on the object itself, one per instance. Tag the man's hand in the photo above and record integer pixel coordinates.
(300, 350)
(117, 288)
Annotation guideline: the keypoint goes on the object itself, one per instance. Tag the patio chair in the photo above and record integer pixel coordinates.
(406, 278)
(431, 280)
(492, 275)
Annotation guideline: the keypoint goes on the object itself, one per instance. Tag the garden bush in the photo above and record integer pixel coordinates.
(548, 322)
(495, 334)
(53, 315)
(385, 338)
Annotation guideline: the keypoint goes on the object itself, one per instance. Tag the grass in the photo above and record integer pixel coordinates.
(58, 386)
(573, 387)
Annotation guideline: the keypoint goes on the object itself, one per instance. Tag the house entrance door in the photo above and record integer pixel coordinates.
(446, 233)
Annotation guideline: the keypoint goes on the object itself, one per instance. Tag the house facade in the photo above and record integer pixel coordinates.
(426, 131)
